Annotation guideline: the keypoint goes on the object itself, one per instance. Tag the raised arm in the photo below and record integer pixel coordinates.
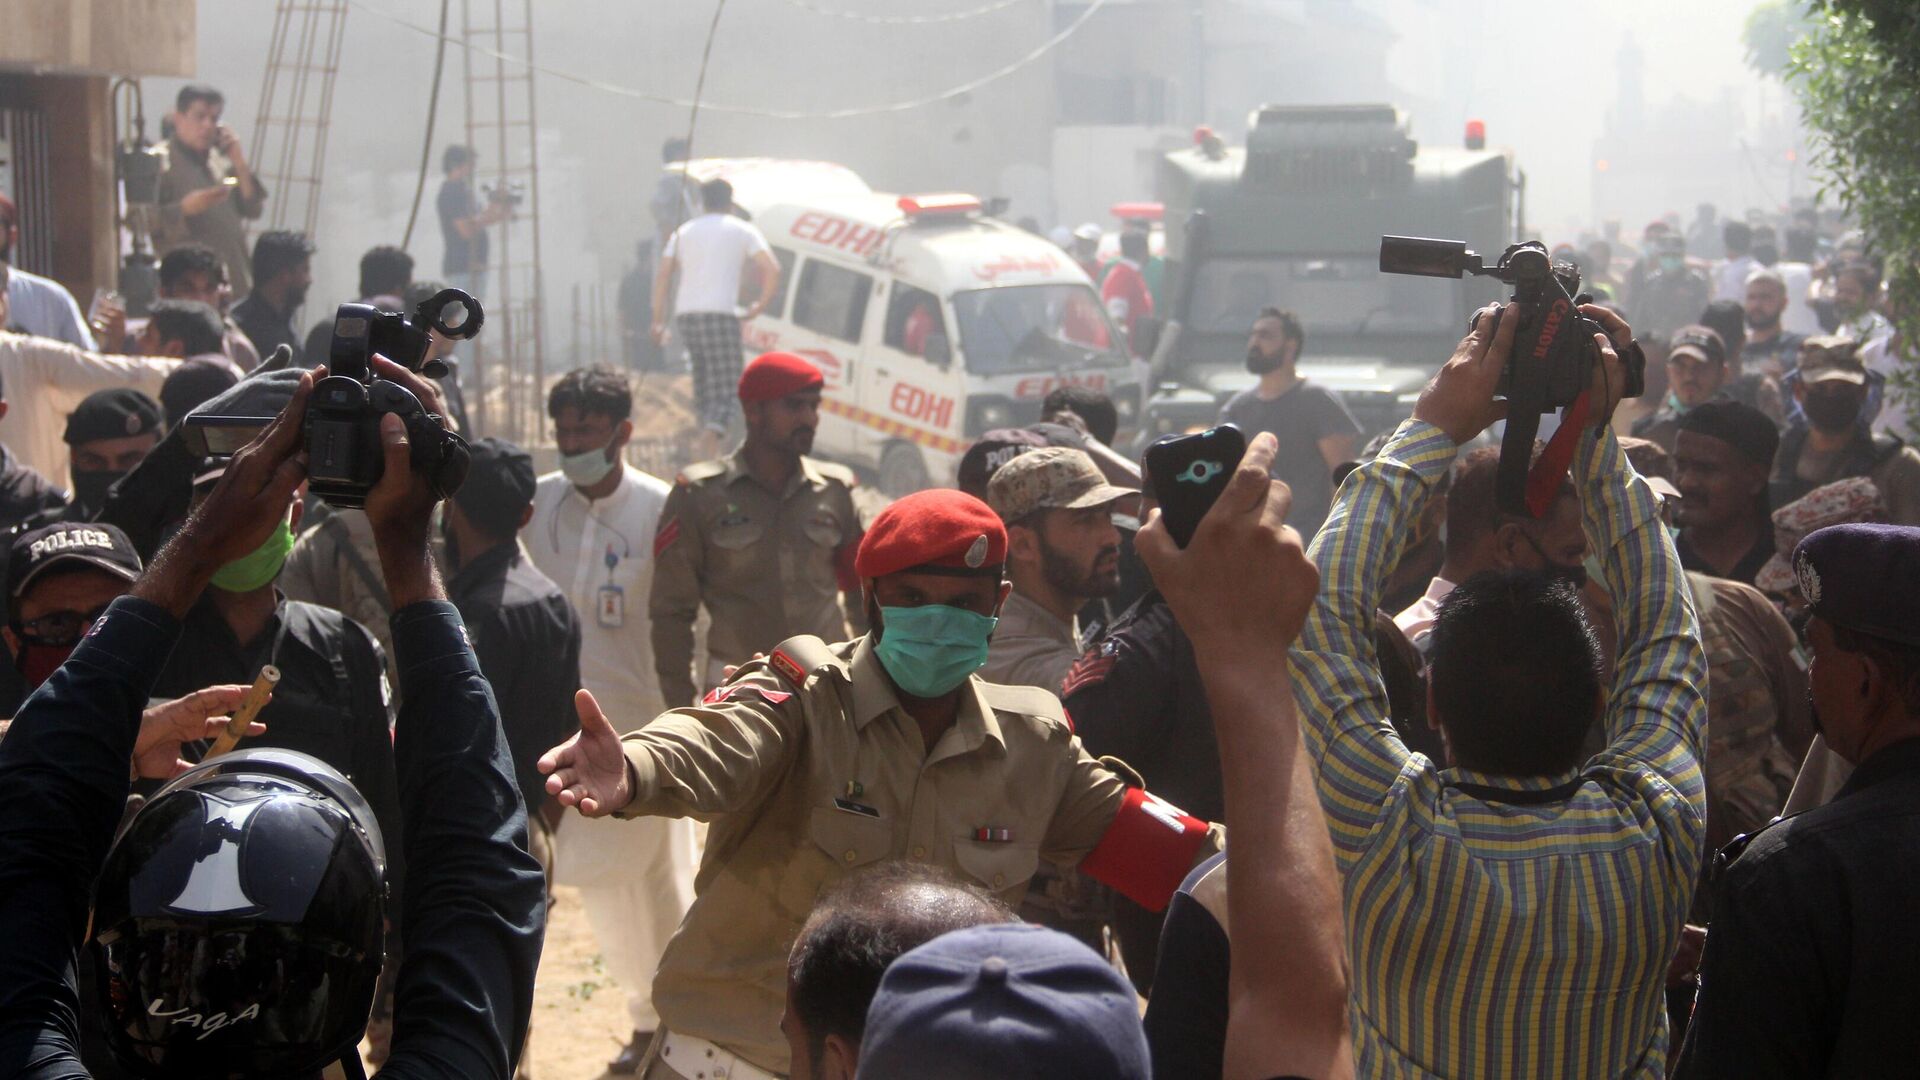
(1657, 710)
(1344, 714)
(474, 900)
(64, 762)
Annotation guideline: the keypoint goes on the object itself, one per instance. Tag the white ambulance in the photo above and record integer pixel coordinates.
(932, 321)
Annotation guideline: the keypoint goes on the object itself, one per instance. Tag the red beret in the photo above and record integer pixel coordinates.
(939, 528)
(774, 375)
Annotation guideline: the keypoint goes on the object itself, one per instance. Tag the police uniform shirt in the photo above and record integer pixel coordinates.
(817, 772)
(528, 641)
(767, 565)
(332, 699)
(1136, 695)
(1812, 967)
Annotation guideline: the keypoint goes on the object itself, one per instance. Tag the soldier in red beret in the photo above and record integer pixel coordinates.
(821, 759)
(764, 539)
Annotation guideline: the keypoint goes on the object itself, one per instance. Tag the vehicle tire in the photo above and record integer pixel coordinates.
(903, 470)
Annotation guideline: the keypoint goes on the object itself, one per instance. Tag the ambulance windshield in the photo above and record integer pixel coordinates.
(1035, 328)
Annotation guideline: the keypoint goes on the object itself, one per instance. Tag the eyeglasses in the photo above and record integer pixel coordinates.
(57, 628)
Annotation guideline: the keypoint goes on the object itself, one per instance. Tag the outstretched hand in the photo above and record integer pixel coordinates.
(589, 771)
(1244, 584)
(1459, 400)
(163, 727)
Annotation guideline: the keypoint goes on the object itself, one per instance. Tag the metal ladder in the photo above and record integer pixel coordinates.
(289, 141)
(509, 362)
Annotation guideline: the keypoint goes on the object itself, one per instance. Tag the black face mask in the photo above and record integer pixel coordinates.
(1832, 413)
(1260, 363)
(90, 487)
(1575, 575)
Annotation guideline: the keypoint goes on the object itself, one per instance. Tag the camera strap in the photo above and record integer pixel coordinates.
(1531, 490)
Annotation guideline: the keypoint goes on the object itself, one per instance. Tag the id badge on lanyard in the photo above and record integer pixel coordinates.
(612, 599)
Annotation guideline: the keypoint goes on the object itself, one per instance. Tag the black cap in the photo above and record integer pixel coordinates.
(69, 543)
(1739, 425)
(992, 450)
(1702, 341)
(1860, 576)
(499, 486)
(113, 414)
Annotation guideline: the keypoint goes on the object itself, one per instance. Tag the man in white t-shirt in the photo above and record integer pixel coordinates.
(710, 253)
(592, 532)
(1730, 274)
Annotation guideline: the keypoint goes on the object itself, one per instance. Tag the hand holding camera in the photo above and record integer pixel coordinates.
(1558, 352)
(1460, 399)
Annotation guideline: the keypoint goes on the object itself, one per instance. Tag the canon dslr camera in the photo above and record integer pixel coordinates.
(1554, 353)
(344, 456)
(1553, 350)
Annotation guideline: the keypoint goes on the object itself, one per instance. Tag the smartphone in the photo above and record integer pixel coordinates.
(1189, 472)
(220, 435)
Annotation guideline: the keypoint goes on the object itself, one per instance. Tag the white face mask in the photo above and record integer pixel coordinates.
(586, 468)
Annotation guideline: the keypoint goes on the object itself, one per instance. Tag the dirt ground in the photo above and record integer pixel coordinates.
(579, 1011)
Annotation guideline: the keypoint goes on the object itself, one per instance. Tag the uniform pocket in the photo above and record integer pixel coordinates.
(998, 866)
(849, 839)
(824, 531)
(737, 537)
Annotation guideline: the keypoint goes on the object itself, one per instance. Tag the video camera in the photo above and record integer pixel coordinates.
(510, 192)
(342, 430)
(1553, 355)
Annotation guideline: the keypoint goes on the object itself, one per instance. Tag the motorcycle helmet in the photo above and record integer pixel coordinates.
(238, 923)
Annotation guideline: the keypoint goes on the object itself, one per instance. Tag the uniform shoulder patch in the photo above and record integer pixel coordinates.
(700, 472)
(800, 656)
(669, 532)
(1026, 701)
(835, 472)
(1091, 669)
(732, 690)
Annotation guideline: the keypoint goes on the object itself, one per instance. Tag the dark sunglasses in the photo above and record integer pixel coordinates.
(57, 628)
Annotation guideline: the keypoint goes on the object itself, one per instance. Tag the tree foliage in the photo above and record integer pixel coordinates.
(1857, 75)
(1771, 30)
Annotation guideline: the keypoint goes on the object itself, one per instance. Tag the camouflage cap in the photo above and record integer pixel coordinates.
(1051, 478)
(1830, 359)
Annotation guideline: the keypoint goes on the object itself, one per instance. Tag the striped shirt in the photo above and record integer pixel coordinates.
(1492, 937)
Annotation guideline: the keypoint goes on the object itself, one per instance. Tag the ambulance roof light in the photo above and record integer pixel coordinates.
(946, 204)
(1139, 211)
(1476, 135)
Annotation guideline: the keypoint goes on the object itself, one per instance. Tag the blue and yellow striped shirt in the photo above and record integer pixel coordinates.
(1489, 938)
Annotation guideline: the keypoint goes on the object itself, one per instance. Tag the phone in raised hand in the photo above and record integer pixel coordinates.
(1189, 472)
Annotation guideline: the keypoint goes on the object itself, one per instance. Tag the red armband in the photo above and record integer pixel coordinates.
(1147, 851)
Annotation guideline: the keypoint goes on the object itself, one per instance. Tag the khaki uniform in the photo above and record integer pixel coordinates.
(762, 562)
(817, 772)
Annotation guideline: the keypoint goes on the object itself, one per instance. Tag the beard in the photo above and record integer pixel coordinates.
(1260, 363)
(1763, 325)
(1091, 582)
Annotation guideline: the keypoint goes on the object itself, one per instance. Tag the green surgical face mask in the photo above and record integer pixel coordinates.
(259, 567)
(931, 649)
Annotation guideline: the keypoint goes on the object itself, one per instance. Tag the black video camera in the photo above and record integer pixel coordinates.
(344, 456)
(1553, 355)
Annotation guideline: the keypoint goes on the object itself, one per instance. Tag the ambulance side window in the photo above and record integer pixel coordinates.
(831, 300)
(913, 317)
(750, 284)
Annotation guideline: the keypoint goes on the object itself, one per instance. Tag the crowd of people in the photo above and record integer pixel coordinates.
(945, 788)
